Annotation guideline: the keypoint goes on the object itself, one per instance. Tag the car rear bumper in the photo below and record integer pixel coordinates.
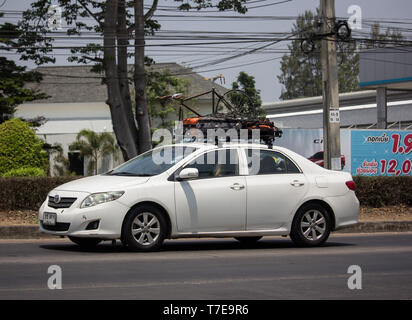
(346, 210)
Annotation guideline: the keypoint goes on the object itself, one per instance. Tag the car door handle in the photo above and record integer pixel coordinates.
(237, 186)
(297, 183)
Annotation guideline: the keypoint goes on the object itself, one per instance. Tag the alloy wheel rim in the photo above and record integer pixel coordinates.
(146, 228)
(313, 225)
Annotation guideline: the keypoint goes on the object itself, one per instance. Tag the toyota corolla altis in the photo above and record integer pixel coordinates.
(245, 191)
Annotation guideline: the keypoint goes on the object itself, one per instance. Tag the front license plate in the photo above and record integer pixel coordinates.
(49, 219)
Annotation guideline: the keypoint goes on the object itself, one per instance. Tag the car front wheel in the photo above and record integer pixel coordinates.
(311, 226)
(144, 229)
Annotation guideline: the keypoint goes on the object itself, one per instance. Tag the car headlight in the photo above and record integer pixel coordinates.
(97, 198)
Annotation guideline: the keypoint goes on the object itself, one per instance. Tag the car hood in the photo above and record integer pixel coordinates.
(102, 183)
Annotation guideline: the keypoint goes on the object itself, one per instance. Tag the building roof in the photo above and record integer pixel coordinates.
(78, 84)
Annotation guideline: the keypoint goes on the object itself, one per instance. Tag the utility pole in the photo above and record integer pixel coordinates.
(381, 104)
(331, 119)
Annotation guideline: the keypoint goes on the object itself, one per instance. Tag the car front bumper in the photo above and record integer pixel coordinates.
(74, 220)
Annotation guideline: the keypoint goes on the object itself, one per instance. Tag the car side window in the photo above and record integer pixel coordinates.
(217, 163)
(269, 162)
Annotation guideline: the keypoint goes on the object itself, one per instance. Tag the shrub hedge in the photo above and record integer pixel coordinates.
(384, 191)
(20, 147)
(26, 172)
(28, 193)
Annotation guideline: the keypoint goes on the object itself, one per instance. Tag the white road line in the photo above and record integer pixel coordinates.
(205, 281)
(204, 254)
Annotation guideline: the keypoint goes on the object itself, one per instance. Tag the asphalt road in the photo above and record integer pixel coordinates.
(211, 269)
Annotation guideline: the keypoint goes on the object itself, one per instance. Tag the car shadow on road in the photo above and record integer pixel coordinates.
(191, 245)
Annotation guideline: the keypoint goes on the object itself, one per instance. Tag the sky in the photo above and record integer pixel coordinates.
(263, 65)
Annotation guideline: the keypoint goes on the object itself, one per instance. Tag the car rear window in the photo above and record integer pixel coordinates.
(269, 162)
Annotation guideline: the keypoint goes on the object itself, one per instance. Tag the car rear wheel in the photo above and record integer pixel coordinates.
(248, 240)
(85, 242)
(144, 229)
(311, 226)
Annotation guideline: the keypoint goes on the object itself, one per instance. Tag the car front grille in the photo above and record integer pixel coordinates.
(59, 226)
(63, 203)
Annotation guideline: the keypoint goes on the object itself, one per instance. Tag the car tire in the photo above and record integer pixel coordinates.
(144, 229)
(311, 226)
(85, 242)
(248, 241)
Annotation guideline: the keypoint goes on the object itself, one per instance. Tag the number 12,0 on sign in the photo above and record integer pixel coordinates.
(390, 167)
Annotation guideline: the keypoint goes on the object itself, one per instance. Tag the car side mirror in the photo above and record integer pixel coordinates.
(188, 173)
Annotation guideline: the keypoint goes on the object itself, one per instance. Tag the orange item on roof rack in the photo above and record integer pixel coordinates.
(191, 120)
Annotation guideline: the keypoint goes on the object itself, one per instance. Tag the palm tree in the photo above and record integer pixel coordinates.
(94, 145)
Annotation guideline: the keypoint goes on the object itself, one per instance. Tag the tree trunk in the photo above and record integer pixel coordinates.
(142, 115)
(122, 41)
(120, 122)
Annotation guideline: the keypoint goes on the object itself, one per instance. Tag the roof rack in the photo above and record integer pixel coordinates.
(238, 118)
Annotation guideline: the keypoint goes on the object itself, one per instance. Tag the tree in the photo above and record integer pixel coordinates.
(381, 40)
(301, 73)
(13, 77)
(113, 19)
(61, 162)
(246, 83)
(20, 147)
(94, 146)
(159, 84)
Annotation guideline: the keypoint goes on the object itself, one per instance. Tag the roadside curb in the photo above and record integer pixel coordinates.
(379, 226)
(32, 231)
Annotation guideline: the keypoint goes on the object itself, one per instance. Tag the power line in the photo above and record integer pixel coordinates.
(171, 73)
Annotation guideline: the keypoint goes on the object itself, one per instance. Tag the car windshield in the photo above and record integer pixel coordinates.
(153, 162)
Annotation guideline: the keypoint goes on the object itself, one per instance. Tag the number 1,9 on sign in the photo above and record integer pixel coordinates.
(407, 142)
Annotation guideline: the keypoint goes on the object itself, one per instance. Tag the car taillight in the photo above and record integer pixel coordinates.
(351, 185)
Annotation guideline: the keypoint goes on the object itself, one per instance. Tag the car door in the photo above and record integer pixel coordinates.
(216, 200)
(275, 185)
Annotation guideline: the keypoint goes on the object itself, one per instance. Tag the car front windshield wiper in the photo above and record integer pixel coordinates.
(125, 173)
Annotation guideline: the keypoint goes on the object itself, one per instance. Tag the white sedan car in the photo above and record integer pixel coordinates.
(245, 191)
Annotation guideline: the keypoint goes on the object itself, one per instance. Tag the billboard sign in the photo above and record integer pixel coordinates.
(381, 152)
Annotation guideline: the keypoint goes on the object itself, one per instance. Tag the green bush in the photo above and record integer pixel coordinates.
(20, 147)
(25, 172)
(384, 191)
(27, 193)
